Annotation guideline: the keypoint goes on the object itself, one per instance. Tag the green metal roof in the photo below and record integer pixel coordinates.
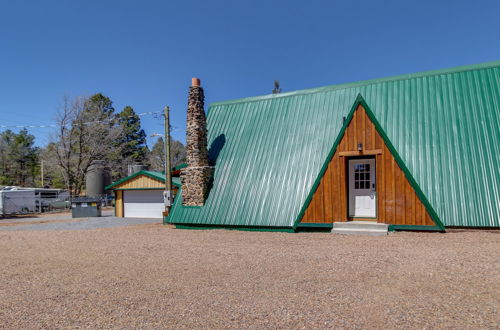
(152, 174)
(444, 125)
(179, 167)
(176, 181)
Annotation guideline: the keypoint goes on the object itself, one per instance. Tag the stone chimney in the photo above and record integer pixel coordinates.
(196, 176)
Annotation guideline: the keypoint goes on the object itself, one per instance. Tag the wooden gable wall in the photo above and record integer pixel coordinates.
(397, 202)
(141, 182)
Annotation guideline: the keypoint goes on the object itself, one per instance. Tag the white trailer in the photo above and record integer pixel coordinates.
(17, 202)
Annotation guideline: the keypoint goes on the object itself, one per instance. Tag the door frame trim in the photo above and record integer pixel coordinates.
(360, 218)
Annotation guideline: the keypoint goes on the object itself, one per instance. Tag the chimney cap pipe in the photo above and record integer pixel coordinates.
(195, 82)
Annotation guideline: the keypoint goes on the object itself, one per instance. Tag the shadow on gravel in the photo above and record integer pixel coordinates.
(10, 224)
(19, 216)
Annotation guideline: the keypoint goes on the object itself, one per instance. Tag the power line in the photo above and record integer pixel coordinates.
(150, 113)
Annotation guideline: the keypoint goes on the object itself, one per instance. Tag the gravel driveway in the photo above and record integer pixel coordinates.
(151, 276)
(66, 222)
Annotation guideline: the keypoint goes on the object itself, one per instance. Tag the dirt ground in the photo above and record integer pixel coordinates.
(151, 276)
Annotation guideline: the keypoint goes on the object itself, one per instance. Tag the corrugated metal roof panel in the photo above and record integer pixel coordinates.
(445, 125)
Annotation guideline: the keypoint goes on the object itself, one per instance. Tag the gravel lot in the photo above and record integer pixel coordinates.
(66, 222)
(151, 276)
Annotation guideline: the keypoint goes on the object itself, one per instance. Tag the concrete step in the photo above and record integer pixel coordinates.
(361, 224)
(360, 228)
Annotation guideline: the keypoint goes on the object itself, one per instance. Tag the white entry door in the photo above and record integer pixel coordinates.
(143, 203)
(362, 188)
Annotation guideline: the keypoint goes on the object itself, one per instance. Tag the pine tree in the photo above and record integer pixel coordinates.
(18, 158)
(133, 143)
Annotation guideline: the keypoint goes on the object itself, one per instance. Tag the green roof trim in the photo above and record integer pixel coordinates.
(176, 182)
(315, 225)
(160, 176)
(443, 128)
(179, 167)
(321, 173)
(402, 165)
(414, 228)
(242, 228)
(163, 188)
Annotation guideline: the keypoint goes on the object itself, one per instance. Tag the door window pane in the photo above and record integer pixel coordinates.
(362, 176)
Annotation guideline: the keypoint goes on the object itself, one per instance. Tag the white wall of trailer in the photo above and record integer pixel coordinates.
(17, 201)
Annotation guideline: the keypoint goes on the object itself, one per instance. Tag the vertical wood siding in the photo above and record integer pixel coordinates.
(397, 202)
(141, 181)
(119, 203)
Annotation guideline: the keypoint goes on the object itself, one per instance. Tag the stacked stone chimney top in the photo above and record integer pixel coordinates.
(195, 82)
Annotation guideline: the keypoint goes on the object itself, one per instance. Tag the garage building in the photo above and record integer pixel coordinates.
(140, 195)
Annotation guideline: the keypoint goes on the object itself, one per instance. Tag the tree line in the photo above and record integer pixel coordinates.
(87, 129)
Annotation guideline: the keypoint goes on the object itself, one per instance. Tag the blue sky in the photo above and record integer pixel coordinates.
(144, 53)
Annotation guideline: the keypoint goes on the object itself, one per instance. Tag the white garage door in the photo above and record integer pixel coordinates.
(143, 203)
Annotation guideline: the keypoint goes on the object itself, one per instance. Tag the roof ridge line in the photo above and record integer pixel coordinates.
(407, 76)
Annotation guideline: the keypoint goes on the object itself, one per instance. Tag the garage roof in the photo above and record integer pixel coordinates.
(160, 176)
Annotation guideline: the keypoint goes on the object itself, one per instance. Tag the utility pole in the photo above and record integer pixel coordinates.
(41, 170)
(168, 175)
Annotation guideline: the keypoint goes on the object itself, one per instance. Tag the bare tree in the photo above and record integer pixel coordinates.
(86, 131)
(157, 154)
(53, 173)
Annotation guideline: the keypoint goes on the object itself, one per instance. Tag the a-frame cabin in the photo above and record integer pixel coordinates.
(418, 151)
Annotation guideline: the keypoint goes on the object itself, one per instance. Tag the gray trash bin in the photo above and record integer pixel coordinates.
(85, 207)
